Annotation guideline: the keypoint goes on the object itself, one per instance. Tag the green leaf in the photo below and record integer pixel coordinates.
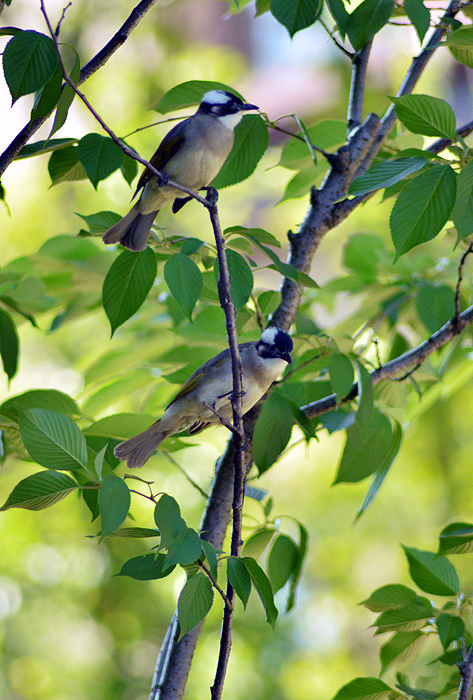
(127, 285)
(381, 473)
(135, 532)
(456, 538)
(239, 578)
(297, 571)
(194, 603)
(185, 549)
(188, 94)
(146, 567)
(129, 169)
(341, 373)
(263, 587)
(433, 574)
(114, 503)
(402, 647)
(40, 491)
(419, 15)
(52, 439)
(257, 542)
(241, 278)
(325, 134)
(100, 156)
(211, 553)
(364, 689)
(255, 235)
(9, 344)
(364, 412)
(462, 214)
(50, 399)
(366, 449)
(407, 618)
(366, 20)
(29, 61)
(422, 208)
(120, 425)
(296, 14)
(426, 115)
(300, 184)
(184, 280)
(251, 142)
(450, 628)
(460, 43)
(272, 431)
(281, 561)
(167, 516)
(64, 165)
(385, 174)
(394, 595)
(339, 14)
(100, 221)
(435, 305)
(47, 97)
(67, 96)
(40, 147)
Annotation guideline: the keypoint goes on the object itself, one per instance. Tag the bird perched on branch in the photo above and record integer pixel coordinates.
(191, 154)
(206, 395)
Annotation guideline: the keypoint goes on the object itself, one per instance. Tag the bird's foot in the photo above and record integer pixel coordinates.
(163, 180)
(212, 196)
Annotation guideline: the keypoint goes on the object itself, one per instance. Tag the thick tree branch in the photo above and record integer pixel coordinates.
(357, 88)
(466, 672)
(89, 69)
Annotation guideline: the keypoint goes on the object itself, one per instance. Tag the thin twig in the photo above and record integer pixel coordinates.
(61, 19)
(460, 278)
(214, 583)
(337, 44)
(462, 132)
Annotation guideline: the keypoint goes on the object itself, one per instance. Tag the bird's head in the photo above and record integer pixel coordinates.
(225, 106)
(275, 343)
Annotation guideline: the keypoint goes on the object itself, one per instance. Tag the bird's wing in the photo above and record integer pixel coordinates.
(170, 144)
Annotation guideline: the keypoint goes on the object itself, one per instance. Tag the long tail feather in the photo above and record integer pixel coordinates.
(137, 450)
(132, 231)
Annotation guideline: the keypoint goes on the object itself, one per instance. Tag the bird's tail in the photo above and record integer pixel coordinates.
(137, 450)
(132, 231)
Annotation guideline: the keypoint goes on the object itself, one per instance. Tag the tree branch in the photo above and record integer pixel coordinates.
(357, 87)
(89, 69)
(466, 671)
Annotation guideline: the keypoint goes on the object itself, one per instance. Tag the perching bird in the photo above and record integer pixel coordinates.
(191, 154)
(212, 384)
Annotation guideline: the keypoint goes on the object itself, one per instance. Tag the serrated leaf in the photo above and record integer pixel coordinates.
(50, 399)
(127, 285)
(296, 14)
(100, 221)
(366, 449)
(167, 516)
(402, 647)
(114, 503)
(297, 571)
(462, 214)
(282, 561)
(433, 574)
(257, 542)
(47, 97)
(272, 431)
(64, 165)
(52, 439)
(450, 628)
(9, 344)
(341, 373)
(422, 208)
(188, 94)
(391, 596)
(364, 689)
(385, 174)
(460, 43)
(185, 549)
(251, 142)
(67, 96)
(211, 553)
(300, 184)
(426, 115)
(239, 578)
(129, 169)
(29, 61)
(40, 147)
(419, 15)
(456, 538)
(263, 587)
(366, 20)
(120, 425)
(184, 280)
(325, 134)
(100, 156)
(241, 278)
(339, 14)
(40, 491)
(364, 412)
(410, 617)
(194, 603)
(135, 532)
(435, 305)
(146, 567)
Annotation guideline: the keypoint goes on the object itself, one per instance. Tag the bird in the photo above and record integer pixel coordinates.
(192, 154)
(206, 395)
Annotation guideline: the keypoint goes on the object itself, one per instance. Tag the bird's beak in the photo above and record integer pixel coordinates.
(247, 107)
(286, 356)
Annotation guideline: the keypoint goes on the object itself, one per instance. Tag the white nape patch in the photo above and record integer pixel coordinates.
(216, 97)
(268, 336)
(231, 120)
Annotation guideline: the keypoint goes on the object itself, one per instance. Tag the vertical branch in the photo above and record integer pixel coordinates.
(466, 671)
(357, 87)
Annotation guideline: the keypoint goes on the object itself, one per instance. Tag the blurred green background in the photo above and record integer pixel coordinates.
(69, 630)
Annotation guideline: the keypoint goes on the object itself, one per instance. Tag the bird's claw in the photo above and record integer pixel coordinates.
(212, 196)
(163, 180)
